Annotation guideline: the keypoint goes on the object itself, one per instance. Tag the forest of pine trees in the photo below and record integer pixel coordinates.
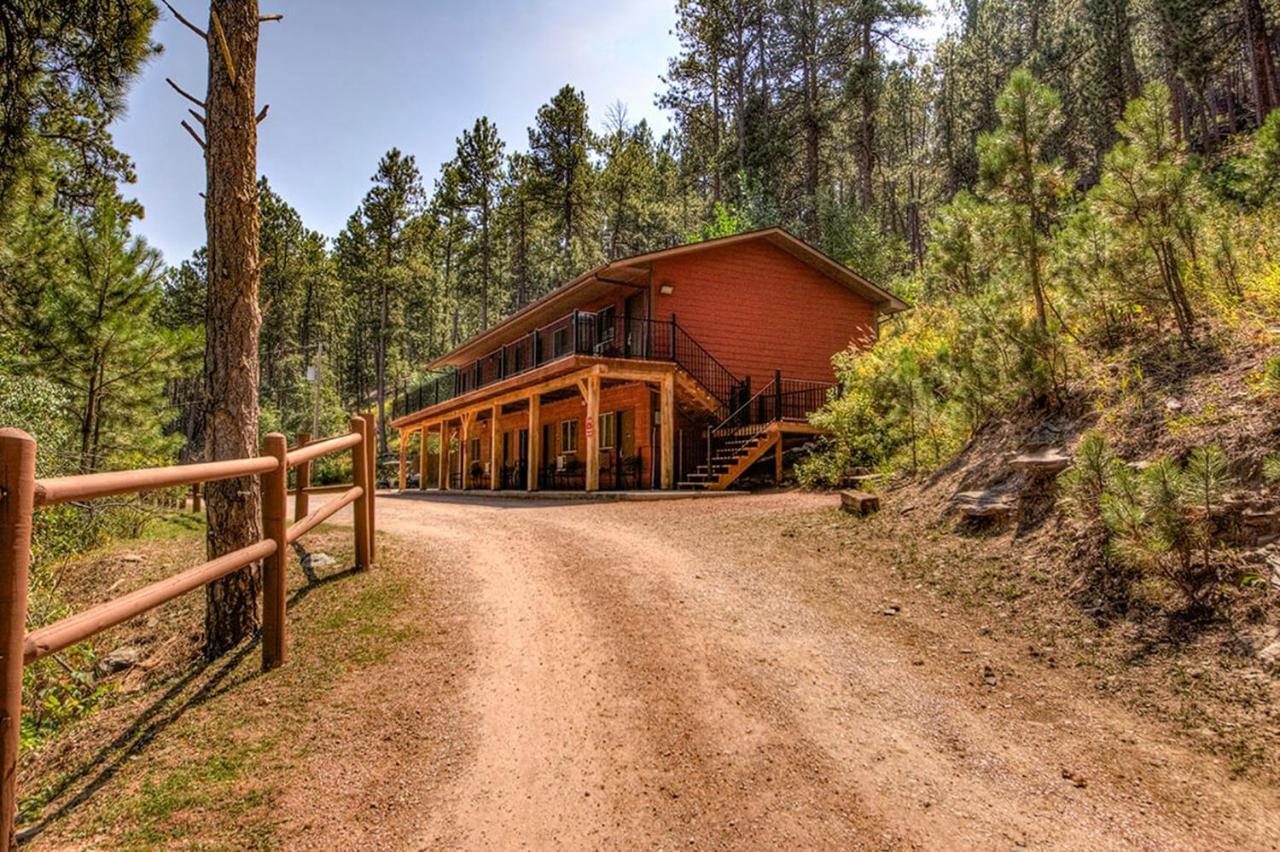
(1044, 174)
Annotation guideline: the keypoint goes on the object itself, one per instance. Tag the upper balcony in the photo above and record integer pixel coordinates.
(600, 334)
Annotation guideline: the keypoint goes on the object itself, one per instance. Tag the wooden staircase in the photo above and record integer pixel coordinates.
(732, 458)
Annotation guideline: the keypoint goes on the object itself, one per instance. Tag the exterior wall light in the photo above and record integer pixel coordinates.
(666, 289)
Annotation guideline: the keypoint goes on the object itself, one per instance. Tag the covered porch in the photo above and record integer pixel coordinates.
(584, 424)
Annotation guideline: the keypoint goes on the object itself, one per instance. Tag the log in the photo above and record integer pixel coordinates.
(859, 502)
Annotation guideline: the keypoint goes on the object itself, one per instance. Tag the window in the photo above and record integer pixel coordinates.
(568, 436)
(608, 430)
(474, 452)
(560, 342)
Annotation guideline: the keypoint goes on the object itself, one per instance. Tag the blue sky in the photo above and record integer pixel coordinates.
(348, 80)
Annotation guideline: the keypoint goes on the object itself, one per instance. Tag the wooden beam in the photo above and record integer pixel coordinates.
(667, 412)
(777, 463)
(593, 432)
(535, 439)
(495, 448)
(550, 377)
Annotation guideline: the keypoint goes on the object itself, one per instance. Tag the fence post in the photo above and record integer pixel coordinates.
(673, 339)
(302, 502)
(17, 502)
(275, 498)
(359, 475)
(371, 459)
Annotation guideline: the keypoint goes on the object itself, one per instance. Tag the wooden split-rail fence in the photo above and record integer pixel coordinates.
(22, 494)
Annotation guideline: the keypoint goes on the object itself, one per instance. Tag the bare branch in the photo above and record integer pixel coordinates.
(265, 18)
(184, 21)
(222, 44)
(194, 135)
(186, 95)
(262, 113)
(197, 116)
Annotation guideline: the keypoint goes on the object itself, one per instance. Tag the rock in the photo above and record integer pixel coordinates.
(859, 502)
(1270, 656)
(985, 504)
(1046, 462)
(988, 676)
(322, 560)
(124, 657)
(1173, 405)
(1075, 778)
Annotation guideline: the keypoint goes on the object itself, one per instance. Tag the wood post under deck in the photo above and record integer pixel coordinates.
(443, 472)
(404, 448)
(667, 413)
(593, 432)
(495, 463)
(535, 439)
(464, 450)
(422, 458)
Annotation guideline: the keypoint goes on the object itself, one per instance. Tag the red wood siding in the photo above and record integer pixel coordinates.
(758, 309)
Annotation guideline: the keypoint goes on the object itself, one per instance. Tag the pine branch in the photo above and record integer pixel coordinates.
(262, 113)
(194, 135)
(184, 21)
(186, 95)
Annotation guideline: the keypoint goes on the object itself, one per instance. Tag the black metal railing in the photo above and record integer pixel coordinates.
(603, 334)
(780, 399)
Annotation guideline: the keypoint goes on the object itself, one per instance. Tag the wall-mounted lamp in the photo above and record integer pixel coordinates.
(666, 289)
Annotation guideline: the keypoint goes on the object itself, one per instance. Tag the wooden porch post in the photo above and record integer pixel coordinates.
(535, 439)
(777, 462)
(495, 449)
(667, 413)
(593, 432)
(404, 447)
(464, 450)
(443, 466)
(422, 458)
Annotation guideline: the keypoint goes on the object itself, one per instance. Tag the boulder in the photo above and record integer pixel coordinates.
(985, 504)
(859, 502)
(1270, 656)
(1046, 462)
(124, 657)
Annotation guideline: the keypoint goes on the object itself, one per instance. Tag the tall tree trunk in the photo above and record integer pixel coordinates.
(1261, 62)
(867, 121)
(232, 319)
(812, 131)
(384, 298)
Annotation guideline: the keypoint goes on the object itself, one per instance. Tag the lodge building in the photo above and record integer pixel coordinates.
(685, 366)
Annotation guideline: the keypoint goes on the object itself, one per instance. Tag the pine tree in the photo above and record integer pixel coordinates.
(479, 161)
(559, 145)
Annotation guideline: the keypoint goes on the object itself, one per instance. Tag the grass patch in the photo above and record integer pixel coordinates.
(195, 758)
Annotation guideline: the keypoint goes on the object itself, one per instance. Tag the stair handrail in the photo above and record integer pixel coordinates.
(745, 406)
(725, 374)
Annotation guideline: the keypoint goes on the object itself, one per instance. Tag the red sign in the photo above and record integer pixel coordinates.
(589, 428)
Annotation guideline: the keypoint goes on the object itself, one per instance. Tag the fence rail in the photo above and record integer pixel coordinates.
(21, 494)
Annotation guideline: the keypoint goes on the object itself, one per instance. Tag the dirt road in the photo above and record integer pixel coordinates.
(683, 674)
